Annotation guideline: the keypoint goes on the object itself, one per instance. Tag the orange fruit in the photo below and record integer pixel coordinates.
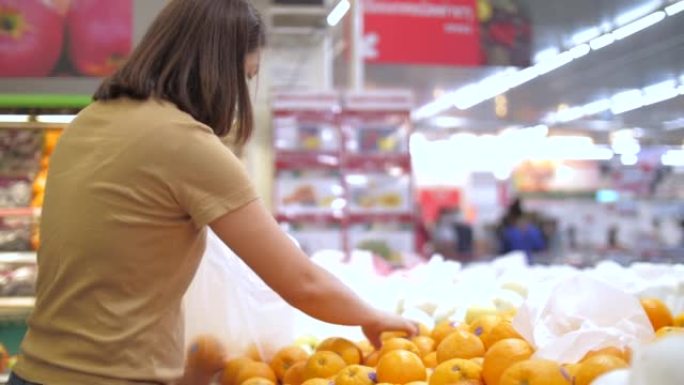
(425, 345)
(501, 356)
(398, 344)
(503, 330)
(445, 328)
(255, 369)
(285, 358)
(657, 312)
(372, 359)
(384, 336)
(611, 350)
(366, 347)
(356, 375)
(424, 330)
(318, 381)
(535, 372)
(258, 381)
(350, 353)
(679, 320)
(478, 360)
(484, 325)
(669, 330)
(400, 367)
(595, 366)
(323, 364)
(206, 354)
(231, 369)
(294, 375)
(254, 353)
(571, 371)
(417, 383)
(430, 360)
(456, 371)
(460, 344)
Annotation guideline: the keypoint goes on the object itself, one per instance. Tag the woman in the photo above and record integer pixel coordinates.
(134, 183)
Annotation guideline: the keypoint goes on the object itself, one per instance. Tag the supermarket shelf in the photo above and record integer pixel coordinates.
(318, 218)
(376, 162)
(15, 309)
(18, 257)
(300, 160)
(381, 217)
(19, 212)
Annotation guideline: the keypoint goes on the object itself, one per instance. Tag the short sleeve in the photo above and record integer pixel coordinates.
(207, 179)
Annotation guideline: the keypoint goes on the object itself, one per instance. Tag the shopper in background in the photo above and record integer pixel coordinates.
(518, 232)
(134, 183)
(452, 236)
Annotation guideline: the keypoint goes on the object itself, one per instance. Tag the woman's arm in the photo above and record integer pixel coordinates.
(253, 234)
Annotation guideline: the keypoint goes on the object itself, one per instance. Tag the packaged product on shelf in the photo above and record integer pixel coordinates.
(20, 151)
(395, 242)
(379, 192)
(299, 133)
(314, 237)
(308, 192)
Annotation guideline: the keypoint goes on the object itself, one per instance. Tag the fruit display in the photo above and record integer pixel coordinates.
(40, 38)
(308, 192)
(375, 192)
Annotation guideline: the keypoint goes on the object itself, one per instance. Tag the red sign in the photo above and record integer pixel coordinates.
(441, 32)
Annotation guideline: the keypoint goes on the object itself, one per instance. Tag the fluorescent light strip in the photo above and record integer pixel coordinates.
(585, 35)
(338, 12)
(675, 8)
(639, 25)
(473, 94)
(12, 118)
(636, 13)
(57, 119)
(660, 92)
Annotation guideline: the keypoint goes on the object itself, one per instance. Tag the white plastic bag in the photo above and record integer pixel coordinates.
(227, 300)
(568, 319)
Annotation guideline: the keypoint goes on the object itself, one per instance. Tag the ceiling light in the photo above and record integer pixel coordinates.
(596, 107)
(660, 92)
(338, 12)
(626, 101)
(675, 8)
(629, 159)
(580, 50)
(546, 54)
(673, 158)
(674, 124)
(639, 25)
(12, 118)
(56, 119)
(636, 13)
(585, 35)
(554, 63)
(569, 114)
(602, 41)
(447, 121)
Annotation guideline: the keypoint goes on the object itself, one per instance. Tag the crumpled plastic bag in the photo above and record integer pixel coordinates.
(566, 319)
(227, 300)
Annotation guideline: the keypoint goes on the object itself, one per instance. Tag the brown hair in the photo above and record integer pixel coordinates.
(193, 55)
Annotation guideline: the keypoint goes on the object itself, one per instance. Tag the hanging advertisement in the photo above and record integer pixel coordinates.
(447, 32)
(64, 38)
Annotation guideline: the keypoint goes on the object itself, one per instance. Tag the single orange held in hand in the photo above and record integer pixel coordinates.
(285, 358)
(595, 366)
(456, 371)
(350, 353)
(400, 367)
(658, 313)
(425, 345)
(501, 356)
(503, 330)
(206, 354)
(460, 344)
(535, 372)
(294, 375)
(356, 375)
(398, 344)
(323, 364)
(255, 369)
(231, 370)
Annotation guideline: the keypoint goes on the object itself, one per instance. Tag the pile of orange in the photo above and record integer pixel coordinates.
(485, 351)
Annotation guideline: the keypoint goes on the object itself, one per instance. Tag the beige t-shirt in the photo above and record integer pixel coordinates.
(131, 188)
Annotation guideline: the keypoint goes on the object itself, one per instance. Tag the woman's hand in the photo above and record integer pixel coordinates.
(387, 322)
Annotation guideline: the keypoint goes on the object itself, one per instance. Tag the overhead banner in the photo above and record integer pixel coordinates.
(65, 38)
(447, 32)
